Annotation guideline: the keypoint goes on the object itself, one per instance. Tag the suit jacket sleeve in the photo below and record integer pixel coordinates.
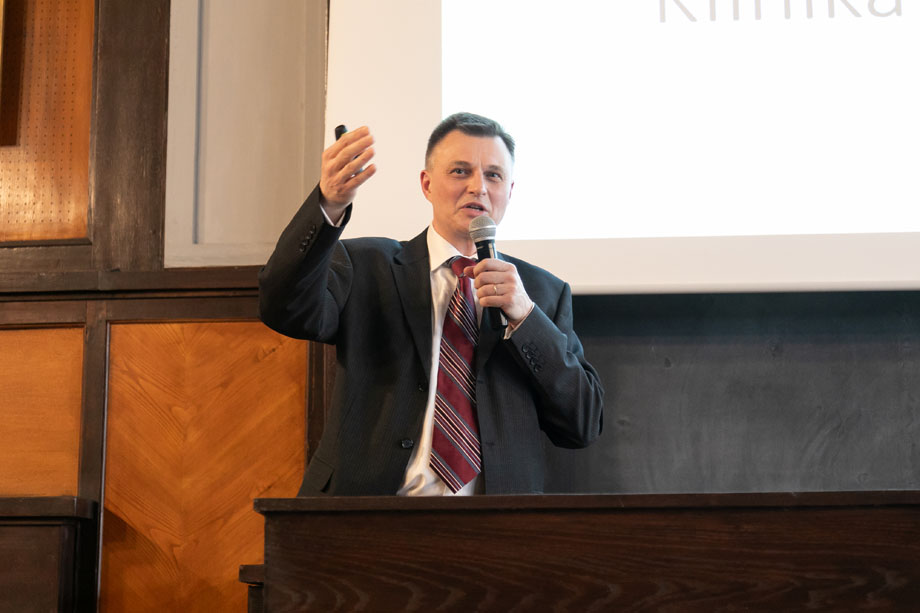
(568, 392)
(308, 277)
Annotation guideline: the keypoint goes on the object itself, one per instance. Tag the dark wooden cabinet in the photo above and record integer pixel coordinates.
(47, 553)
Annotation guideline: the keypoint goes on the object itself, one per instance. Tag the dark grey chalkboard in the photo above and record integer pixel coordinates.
(750, 393)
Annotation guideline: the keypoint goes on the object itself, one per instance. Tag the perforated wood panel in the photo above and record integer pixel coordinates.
(41, 384)
(202, 418)
(44, 175)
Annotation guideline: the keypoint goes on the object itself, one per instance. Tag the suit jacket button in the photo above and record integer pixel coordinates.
(407, 443)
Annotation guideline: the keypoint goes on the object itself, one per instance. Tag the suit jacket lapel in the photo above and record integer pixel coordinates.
(412, 276)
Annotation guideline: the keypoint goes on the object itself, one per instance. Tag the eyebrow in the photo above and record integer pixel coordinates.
(494, 167)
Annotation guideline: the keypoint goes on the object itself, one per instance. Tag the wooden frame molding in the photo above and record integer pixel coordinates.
(127, 156)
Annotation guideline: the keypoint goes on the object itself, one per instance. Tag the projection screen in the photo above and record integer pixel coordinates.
(663, 145)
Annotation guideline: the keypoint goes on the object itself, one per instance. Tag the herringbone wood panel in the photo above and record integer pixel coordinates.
(41, 372)
(202, 418)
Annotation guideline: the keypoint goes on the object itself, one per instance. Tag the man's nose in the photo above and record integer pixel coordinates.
(477, 184)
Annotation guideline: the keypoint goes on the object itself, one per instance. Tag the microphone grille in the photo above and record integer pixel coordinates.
(482, 228)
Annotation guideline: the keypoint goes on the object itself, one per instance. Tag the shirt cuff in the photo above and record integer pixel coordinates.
(512, 327)
(334, 224)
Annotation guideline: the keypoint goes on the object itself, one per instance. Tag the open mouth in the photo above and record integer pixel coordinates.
(475, 207)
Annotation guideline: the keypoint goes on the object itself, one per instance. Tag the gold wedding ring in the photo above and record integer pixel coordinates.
(495, 288)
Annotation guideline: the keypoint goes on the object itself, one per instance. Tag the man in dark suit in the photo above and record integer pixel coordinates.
(382, 303)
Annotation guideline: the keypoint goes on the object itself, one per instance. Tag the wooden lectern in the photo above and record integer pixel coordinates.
(751, 552)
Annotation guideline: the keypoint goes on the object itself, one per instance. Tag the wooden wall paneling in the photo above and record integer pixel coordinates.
(31, 313)
(11, 70)
(44, 176)
(17, 279)
(124, 179)
(128, 176)
(95, 364)
(221, 278)
(40, 397)
(202, 418)
(19, 264)
(191, 308)
(39, 270)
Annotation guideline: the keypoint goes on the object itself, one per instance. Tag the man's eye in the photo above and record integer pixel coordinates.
(458, 171)
(494, 175)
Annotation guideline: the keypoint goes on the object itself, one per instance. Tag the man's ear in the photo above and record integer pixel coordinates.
(425, 181)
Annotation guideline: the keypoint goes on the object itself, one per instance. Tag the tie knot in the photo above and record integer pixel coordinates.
(457, 264)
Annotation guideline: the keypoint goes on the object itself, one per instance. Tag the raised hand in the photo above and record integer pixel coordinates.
(344, 169)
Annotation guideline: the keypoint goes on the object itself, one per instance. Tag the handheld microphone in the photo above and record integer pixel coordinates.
(482, 232)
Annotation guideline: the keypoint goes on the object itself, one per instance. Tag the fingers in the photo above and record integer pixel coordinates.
(356, 163)
(498, 284)
(345, 189)
(354, 174)
(343, 151)
(345, 167)
(360, 176)
(491, 270)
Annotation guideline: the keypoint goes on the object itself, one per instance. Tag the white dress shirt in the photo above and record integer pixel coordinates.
(420, 480)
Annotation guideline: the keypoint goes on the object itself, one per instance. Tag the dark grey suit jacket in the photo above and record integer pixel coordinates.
(371, 297)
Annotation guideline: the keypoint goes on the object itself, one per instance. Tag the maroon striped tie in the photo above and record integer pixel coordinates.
(455, 453)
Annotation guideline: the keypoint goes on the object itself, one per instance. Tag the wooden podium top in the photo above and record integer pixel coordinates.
(689, 552)
(562, 502)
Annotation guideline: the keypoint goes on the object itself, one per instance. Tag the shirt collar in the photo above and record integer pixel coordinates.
(440, 251)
